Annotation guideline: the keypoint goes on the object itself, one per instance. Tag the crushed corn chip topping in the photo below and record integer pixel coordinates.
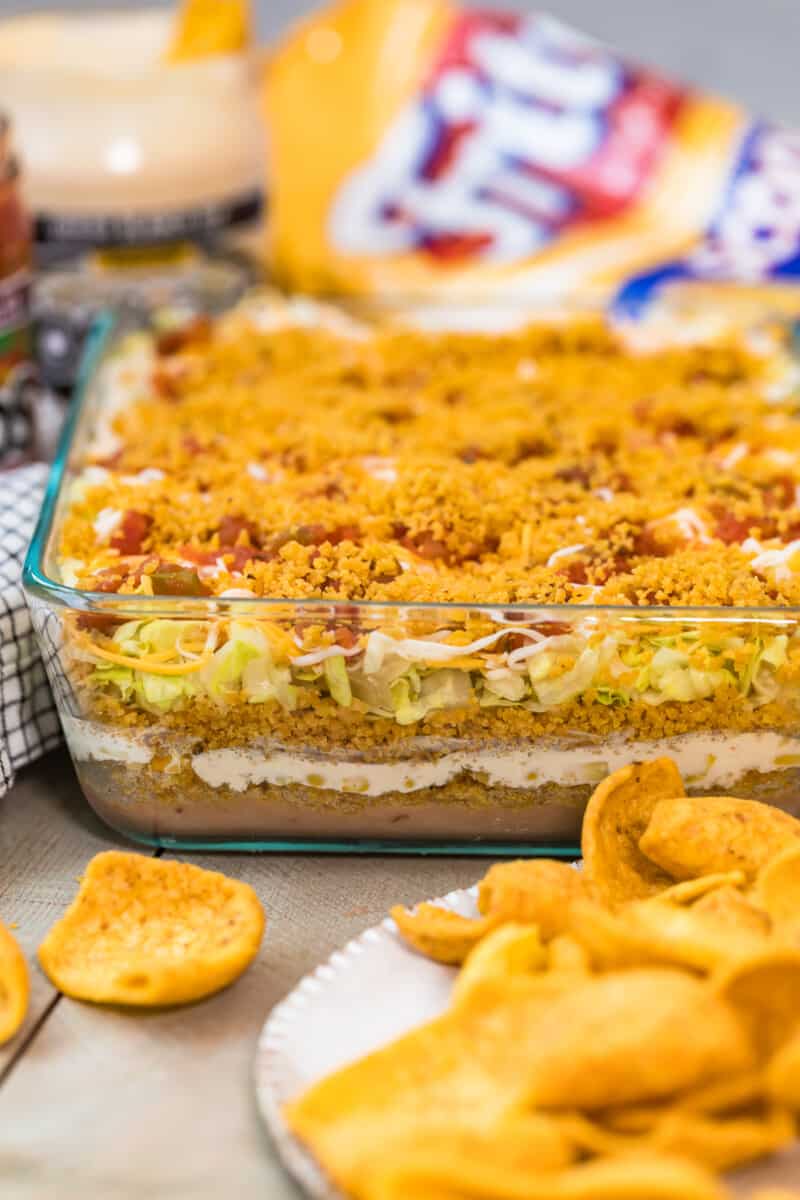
(551, 465)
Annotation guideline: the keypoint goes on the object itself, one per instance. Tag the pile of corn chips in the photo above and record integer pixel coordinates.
(625, 1032)
(141, 932)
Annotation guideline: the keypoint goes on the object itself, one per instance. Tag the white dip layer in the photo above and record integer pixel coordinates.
(705, 760)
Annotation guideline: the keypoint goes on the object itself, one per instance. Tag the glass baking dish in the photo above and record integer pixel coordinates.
(312, 766)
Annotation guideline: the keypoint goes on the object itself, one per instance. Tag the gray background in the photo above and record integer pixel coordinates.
(746, 48)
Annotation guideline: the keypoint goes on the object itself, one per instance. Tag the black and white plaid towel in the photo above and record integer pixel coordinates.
(28, 720)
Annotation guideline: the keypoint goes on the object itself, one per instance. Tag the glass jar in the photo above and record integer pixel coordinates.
(15, 262)
(144, 177)
(16, 371)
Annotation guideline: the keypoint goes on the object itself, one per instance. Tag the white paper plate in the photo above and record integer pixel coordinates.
(364, 996)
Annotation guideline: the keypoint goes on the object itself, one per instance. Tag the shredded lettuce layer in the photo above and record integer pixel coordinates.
(406, 679)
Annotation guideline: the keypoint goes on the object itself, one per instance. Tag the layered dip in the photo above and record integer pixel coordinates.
(381, 583)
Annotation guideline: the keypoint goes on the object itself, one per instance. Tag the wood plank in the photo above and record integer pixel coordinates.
(47, 835)
(112, 1106)
(168, 1096)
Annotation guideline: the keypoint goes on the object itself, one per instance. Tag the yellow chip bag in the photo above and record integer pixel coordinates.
(209, 27)
(500, 158)
(14, 985)
(694, 836)
(150, 931)
(616, 816)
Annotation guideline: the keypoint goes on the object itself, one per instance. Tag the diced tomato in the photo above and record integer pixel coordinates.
(427, 546)
(731, 529)
(552, 628)
(647, 543)
(344, 533)
(232, 526)
(780, 492)
(681, 427)
(191, 445)
(345, 636)
(131, 532)
(104, 581)
(575, 572)
(532, 448)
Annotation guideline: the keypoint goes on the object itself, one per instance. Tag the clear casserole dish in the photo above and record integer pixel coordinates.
(499, 591)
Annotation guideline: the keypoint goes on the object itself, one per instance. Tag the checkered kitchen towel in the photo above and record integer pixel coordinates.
(28, 720)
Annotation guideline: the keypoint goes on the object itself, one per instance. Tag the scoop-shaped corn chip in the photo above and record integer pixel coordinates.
(151, 931)
(512, 949)
(566, 954)
(610, 941)
(726, 1094)
(692, 890)
(732, 909)
(537, 892)
(720, 1096)
(617, 815)
(522, 1143)
(783, 1075)
(724, 1142)
(471, 1067)
(765, 991)
(439, 933)
(13, 985)
(652, 932)
(630, 1177)
(705, 834)
(777, 891)
(699, 937)
(622, 1038)
(717, 1142)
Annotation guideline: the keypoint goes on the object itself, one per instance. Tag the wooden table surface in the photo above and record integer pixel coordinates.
(100, 1104)
(104, 1105)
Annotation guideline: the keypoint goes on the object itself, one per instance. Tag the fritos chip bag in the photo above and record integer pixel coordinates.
(422, 150)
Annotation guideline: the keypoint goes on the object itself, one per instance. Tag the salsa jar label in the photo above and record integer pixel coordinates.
(15, 336)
